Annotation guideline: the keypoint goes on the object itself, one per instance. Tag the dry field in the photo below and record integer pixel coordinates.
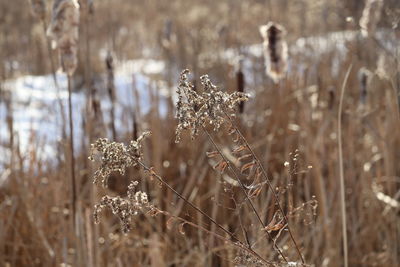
(280, 147)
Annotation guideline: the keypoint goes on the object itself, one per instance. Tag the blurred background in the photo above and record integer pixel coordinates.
(130, 55)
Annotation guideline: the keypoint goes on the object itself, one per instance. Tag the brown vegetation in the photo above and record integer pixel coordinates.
(246, 185)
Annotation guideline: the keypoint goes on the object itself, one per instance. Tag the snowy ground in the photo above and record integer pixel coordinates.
(36, 108)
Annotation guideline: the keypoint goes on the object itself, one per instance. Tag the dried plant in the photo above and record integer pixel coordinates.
(371, 16)
(196, 110)
(222, 112)
(125, 208)
(64, 30)
(275, 50)
(116, 156)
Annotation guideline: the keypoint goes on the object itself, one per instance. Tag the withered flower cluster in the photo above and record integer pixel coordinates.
(124, 208)
(116, 156)
(195, 110)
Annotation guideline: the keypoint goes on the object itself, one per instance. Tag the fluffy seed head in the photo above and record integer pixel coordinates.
(116, 157)
(210, 106)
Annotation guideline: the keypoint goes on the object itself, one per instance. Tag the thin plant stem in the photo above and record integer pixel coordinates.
(239, 245)
(161, 180)
(234, 240)
(275, 195)
(342, 191)
(244, 191)
(54, 76)
(71, 150)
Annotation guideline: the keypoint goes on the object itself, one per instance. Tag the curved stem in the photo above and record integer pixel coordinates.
(239, 245)
(342, 191)
(159, 178)
(244, 191)
(275, 195)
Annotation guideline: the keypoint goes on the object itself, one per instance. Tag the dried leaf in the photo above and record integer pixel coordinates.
(275, 227)
(221, 166)
(256, 192)
(152, 173)
(276, 223)
(237, 138)
(170, 223)
(258, 174)
(181, 230)
(231, 130)
(247, 166)
(212, 154)
(239, 149)
(244, 157)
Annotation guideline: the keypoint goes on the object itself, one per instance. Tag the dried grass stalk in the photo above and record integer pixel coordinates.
(64, 31)
(275, 50)
(371, 16)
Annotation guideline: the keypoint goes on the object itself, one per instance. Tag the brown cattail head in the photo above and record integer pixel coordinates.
(371, 16)
(364, 77)
(38, 9)
(275, 50)
(64, 31)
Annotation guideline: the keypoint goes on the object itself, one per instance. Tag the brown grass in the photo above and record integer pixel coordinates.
(289, 126)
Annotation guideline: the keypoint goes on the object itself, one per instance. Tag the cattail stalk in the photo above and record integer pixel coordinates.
(39, 11)
(64, 31)
(275, 50)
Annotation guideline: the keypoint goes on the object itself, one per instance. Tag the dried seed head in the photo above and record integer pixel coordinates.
(275, 50)
(371, 16)
(124, 208)
(64, 31)
(39, 9)
(195, 110)
(116, 156)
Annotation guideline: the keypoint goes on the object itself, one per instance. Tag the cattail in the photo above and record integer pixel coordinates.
(364, 77)
(240, 79)
(331, 98)
(275, 50)
(370, 17)
(64, 31)
(38, 9)
(111, 91)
